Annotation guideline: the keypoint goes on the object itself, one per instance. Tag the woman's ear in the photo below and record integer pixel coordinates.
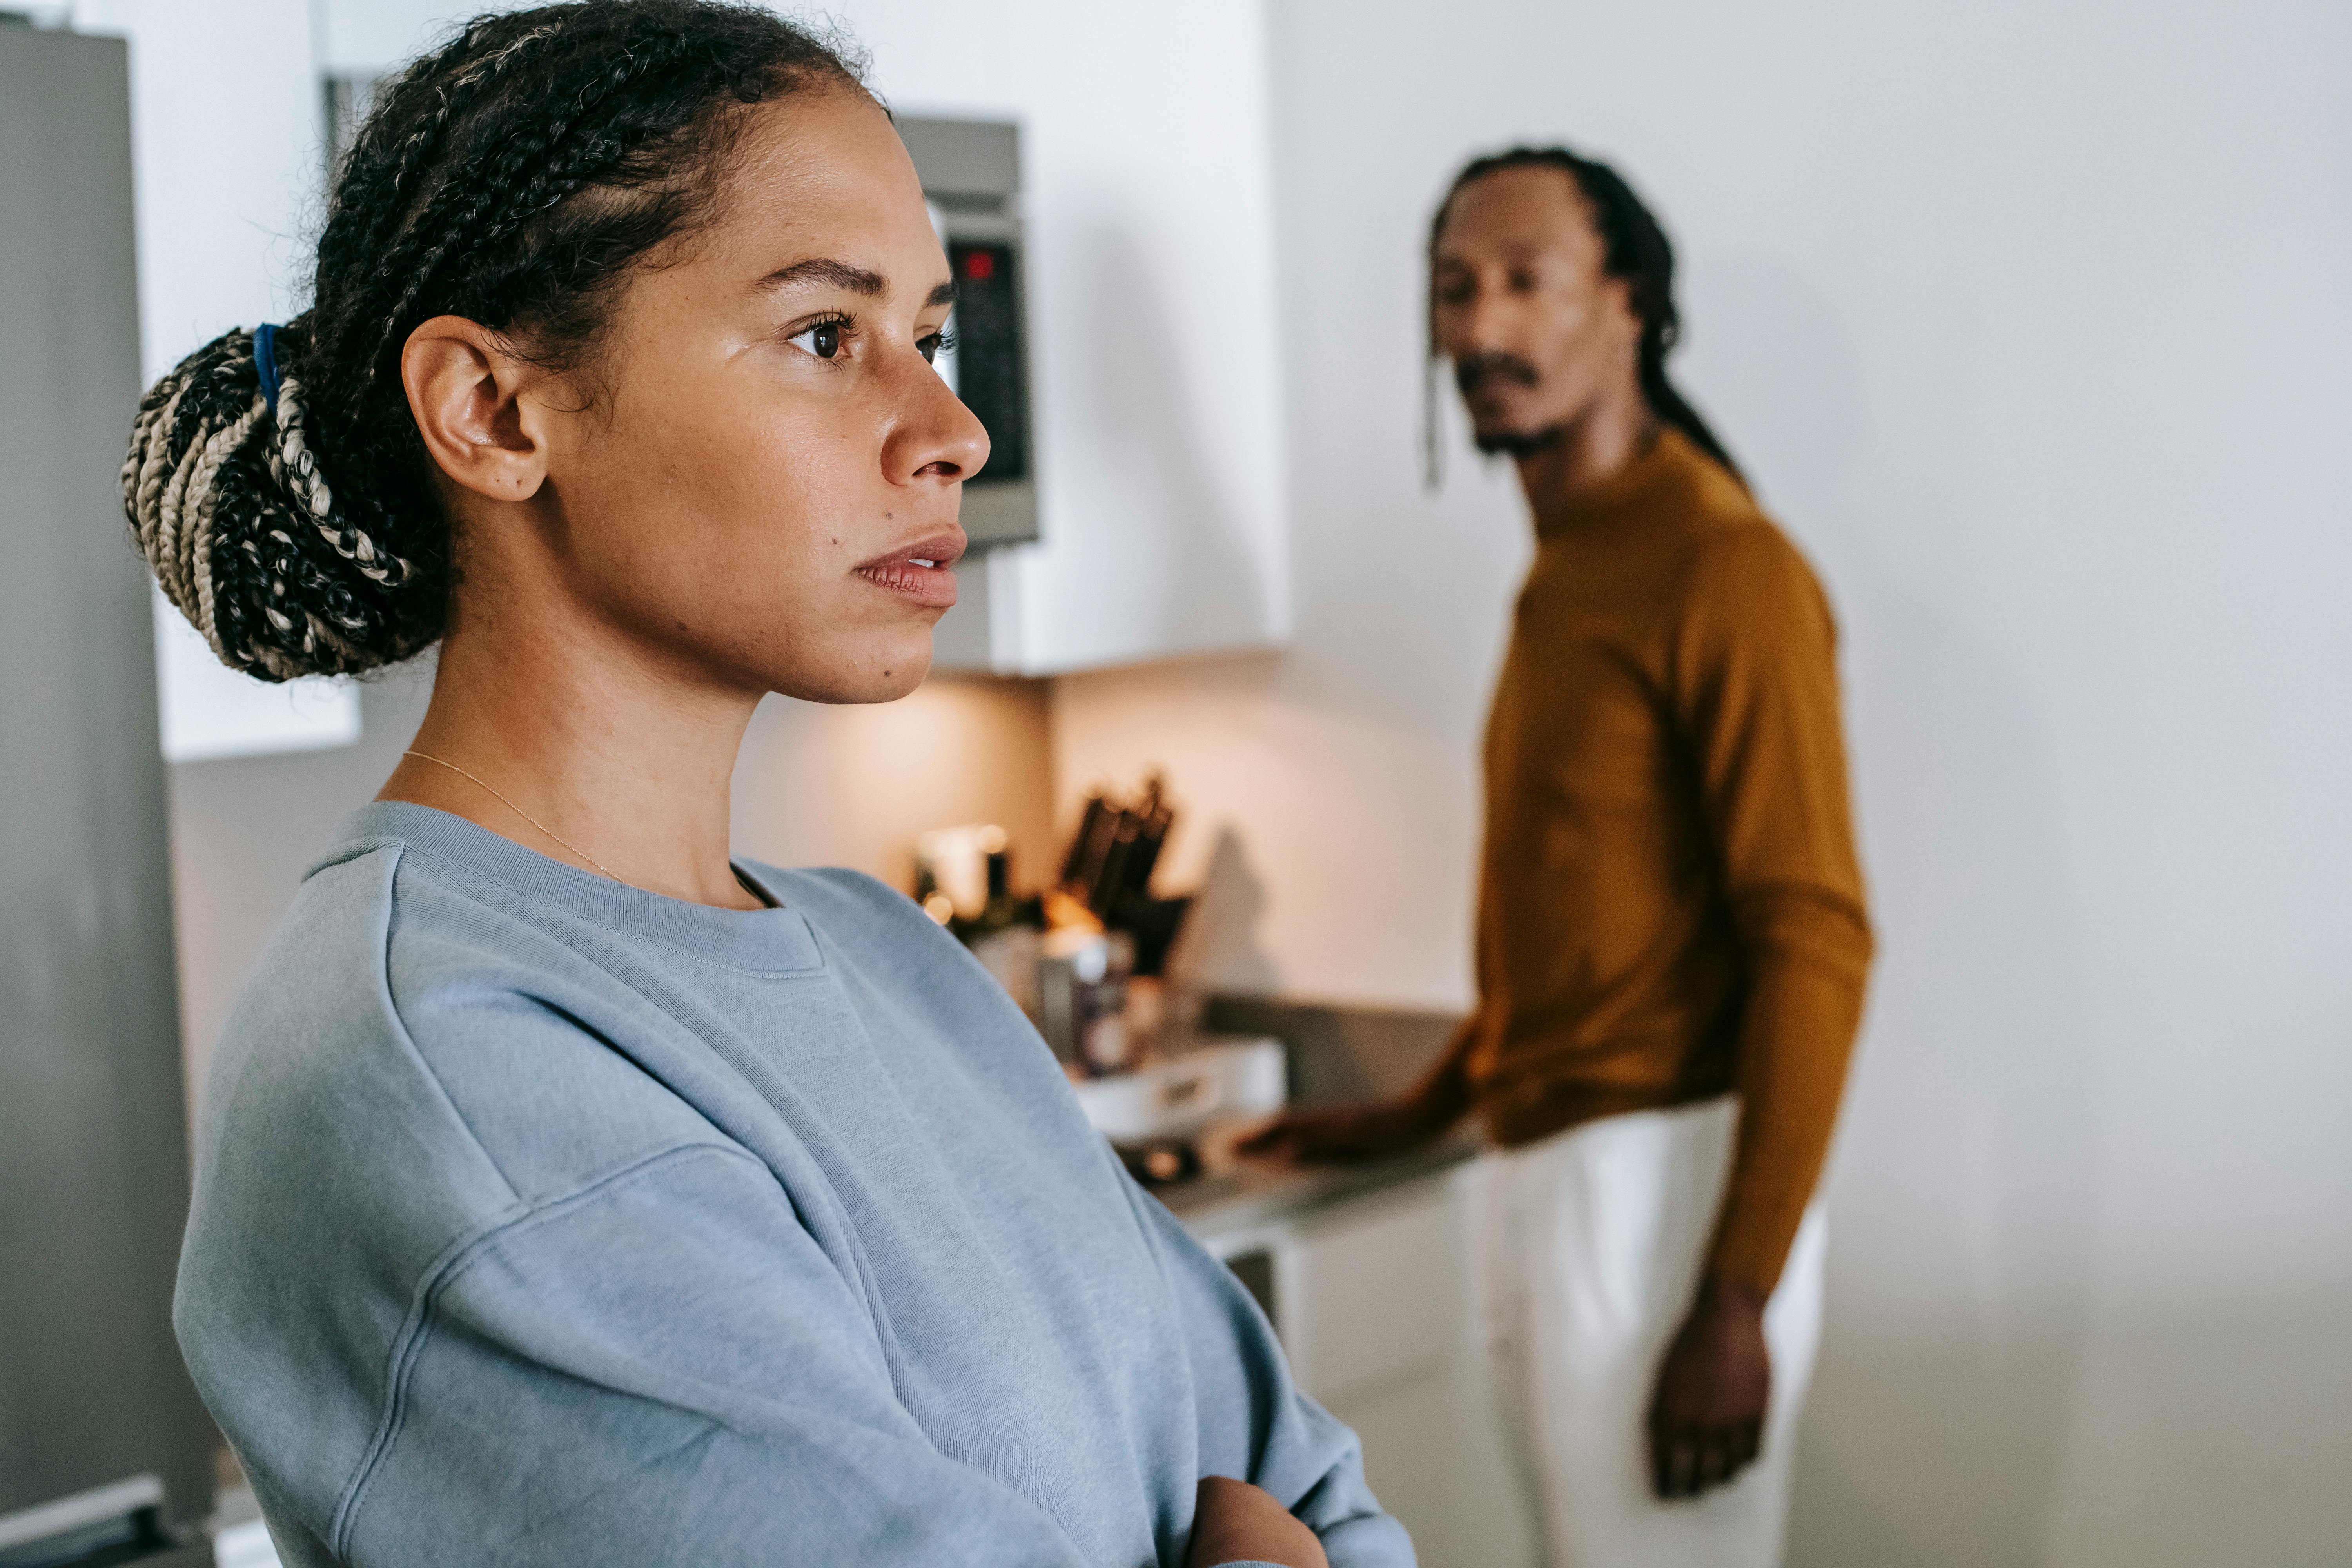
(464, 391)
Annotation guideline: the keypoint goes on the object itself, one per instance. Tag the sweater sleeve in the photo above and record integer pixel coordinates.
(1755, 689)
(663, 1368)
(1257, 1425)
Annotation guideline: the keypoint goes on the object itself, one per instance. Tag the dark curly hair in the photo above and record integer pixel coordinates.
(1634, 247)
(276, 480)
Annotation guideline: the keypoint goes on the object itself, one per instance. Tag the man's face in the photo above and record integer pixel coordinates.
(1538, 333)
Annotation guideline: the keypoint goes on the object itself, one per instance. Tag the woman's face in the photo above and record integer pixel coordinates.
(762, 491)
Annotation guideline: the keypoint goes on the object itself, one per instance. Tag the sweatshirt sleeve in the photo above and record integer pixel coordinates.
(1256, 1425)
(715, 1398)
(1757, 691)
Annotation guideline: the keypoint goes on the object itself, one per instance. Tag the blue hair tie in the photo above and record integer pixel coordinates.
(265, 360)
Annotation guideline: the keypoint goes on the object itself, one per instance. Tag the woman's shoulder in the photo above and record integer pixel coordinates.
(325, 1148)
(318, 989)
(401, 1027)
(378, 941)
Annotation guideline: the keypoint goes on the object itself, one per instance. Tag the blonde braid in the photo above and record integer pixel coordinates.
(195, 557)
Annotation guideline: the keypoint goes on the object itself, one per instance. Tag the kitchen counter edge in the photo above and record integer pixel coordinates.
(1259, 1195)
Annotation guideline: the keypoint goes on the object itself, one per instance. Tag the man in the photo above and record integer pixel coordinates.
(1672, 941)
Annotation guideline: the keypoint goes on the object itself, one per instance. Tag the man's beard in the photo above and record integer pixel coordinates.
(1474, 371)
(1519, 444)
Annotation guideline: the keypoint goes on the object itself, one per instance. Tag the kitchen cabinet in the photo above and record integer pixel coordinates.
(1376, 1301)
(1147, 201)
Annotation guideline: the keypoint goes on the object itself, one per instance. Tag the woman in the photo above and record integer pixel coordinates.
(567, 1193)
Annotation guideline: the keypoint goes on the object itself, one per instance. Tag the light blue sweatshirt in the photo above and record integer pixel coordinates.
(542, 1220)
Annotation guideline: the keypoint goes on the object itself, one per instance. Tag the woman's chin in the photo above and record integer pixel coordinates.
(898, 682)
(910, 660)
(870, 675)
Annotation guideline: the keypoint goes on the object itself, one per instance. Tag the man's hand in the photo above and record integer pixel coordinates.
(1706, 1421)
(1233, 1521)
(1345, 1134)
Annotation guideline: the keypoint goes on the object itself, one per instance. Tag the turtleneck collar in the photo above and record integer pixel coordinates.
(1624, 494)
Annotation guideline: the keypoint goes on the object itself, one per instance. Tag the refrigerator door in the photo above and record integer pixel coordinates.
(93, 1140)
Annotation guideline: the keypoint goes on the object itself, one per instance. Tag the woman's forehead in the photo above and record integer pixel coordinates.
(825, 174)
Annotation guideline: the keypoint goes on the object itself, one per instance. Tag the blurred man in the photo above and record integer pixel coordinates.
(1672, 941)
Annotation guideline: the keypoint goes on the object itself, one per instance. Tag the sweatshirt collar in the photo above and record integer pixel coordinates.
(772, 941)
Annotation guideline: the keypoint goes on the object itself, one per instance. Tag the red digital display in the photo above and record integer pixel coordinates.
(978, 265)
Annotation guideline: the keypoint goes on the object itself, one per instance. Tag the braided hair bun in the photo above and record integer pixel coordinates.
(277, 482)
(243, 531)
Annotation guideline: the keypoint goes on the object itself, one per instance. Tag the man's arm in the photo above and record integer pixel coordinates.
(1382, 1127)
(1760, 712)
(1755, 691)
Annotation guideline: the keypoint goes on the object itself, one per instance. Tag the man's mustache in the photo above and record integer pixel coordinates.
(1472, 371)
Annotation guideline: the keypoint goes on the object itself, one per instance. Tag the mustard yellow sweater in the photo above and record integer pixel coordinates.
(1670, 904)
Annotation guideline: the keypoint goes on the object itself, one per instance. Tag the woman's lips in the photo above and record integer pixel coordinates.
(920, 571)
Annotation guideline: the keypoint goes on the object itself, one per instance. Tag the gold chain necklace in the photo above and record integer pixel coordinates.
(577, 852)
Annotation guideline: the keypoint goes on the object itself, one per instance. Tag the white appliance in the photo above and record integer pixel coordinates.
(1177, 1096)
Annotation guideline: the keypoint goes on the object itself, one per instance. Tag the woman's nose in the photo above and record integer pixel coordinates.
(938, 438)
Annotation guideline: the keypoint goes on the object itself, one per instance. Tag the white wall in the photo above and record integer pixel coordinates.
(2029, 322)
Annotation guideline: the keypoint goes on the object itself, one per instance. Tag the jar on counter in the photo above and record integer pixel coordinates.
(1082, 993)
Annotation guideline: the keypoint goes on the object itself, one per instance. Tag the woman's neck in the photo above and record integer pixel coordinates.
(586, 748)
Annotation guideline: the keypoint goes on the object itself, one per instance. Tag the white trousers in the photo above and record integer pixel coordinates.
(1590, 1254)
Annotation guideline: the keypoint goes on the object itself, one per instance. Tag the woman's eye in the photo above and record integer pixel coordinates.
(823, 340)
(938, 343)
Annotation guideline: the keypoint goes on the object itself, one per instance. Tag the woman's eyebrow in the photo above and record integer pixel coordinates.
(843, 275)
(825, 269)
